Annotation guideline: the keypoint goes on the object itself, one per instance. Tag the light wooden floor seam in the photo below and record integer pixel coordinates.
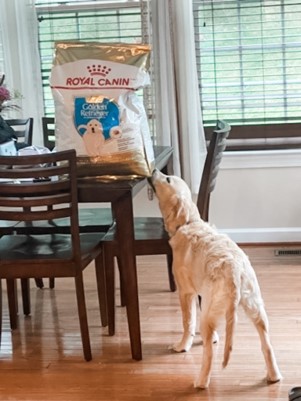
(43, 361)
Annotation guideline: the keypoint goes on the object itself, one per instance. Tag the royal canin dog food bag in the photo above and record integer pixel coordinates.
(97, 109)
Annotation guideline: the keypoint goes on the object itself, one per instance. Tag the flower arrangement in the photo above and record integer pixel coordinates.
(5, 96)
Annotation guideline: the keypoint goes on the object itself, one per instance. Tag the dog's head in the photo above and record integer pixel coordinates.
(175, 201)
(94, 127)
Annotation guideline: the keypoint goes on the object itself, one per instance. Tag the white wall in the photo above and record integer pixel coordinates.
(257, 197)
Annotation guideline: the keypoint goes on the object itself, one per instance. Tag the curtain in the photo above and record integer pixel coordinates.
(178, 110)
(21, 59)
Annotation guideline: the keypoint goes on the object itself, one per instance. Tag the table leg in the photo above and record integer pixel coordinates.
(123, 213)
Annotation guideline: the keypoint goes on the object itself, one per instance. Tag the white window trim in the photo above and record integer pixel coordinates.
(86, 6)
(261, 159)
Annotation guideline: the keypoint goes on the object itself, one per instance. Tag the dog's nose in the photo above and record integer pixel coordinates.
(150, 179)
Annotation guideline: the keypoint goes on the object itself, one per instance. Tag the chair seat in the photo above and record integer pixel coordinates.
(90, 220)
(144, 227)
(144, 223)
(45, 247)
(151, 237)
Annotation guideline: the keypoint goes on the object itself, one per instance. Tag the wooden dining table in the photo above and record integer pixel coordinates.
(120, 193)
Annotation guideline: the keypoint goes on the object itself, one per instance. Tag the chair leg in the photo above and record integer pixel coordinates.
(39, 282)
(82, 313)
(108, 258)
(12, 298)
(172, 284)
(25, 289)
(122, 296)
(101, 289)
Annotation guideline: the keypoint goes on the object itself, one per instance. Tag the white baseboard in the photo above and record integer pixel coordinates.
(274, 234)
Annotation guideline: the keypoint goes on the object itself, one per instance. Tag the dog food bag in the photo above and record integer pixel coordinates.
(97, 109)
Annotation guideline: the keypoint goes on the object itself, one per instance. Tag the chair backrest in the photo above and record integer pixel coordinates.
(40, 187)
(217, 145)
(23, 128)
(269, 136)
(48, 124)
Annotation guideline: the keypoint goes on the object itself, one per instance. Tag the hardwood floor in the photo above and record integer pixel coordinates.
(42, 360)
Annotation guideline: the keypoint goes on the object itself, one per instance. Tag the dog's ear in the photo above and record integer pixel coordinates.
(177, 215)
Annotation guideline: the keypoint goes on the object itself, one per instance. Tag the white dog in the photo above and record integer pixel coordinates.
(93, 137)
(210, 265)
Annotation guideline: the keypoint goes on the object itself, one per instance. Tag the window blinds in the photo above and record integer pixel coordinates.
(249, 60)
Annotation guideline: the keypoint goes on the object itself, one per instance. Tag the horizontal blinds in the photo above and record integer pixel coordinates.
(85, 21)
(249, 60)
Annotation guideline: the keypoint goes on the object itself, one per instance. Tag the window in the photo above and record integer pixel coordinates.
(103, 21)
(249, 60)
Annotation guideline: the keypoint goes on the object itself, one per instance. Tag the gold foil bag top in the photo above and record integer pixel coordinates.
(137, 55)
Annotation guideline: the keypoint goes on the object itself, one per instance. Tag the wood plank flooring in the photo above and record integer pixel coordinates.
(42, 360)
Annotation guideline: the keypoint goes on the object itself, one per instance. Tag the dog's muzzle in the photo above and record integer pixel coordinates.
(150, 179)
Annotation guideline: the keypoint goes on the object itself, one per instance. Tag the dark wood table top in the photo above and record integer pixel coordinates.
(108, 190)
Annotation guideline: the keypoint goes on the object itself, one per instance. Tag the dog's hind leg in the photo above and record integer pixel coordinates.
(260, 320)
(207, 328)
(215, 338)
(188, 305)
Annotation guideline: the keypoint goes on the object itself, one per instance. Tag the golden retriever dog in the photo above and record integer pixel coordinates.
(209, 264)
(93, 137)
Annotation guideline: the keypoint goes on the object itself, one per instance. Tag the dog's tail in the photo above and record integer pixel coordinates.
(230, 326)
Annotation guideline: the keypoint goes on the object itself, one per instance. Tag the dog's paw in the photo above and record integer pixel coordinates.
(179, 347)
(215, 338)
(276, 377)
(201, 383)
(184, 345)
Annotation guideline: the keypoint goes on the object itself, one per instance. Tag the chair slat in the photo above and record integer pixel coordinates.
(33, 188)
(33, 172)
(35, 215)
(37, 201)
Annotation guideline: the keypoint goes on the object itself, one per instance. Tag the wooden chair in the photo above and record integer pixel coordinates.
(49, 255)
(23, 128)
(48, 124)
(150, 235)
(90, 219)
